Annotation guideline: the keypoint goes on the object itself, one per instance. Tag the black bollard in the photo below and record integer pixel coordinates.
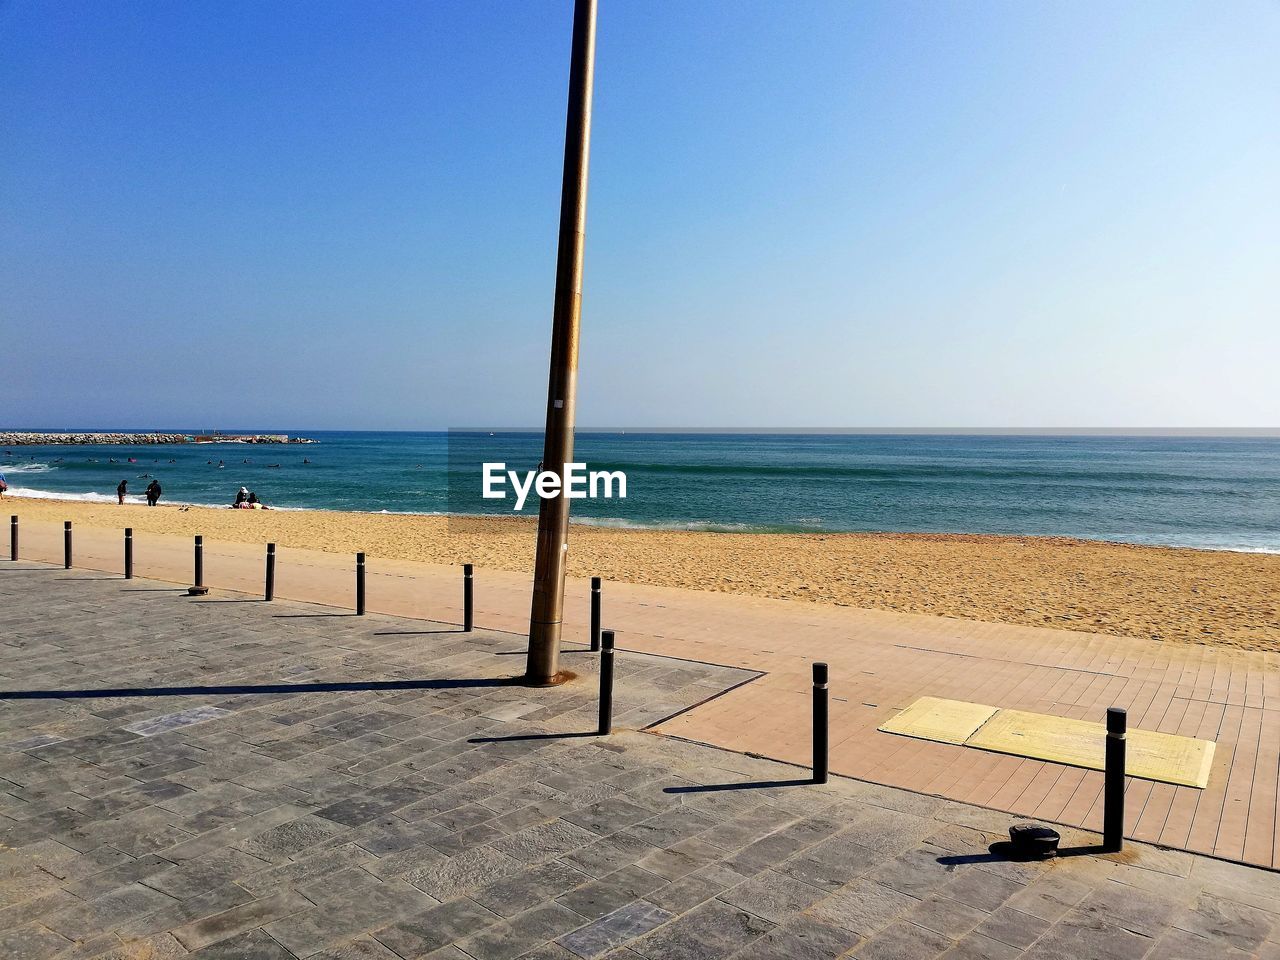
(359, 584)
(468, 597)
(820, 725)
(606, 683)
(128, 553)
(66, 544)
(1113, 781)
(270, 592)
(595, 613)
(13, 538)
(198, 589)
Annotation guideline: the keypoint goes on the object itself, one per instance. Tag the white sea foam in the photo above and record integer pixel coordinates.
(57, 495)
(696, 526)
(35, 494)
(27, 468)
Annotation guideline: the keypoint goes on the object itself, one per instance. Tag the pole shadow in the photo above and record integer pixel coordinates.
(521, 653)
(311, 616)
(745, 785)
(236, 689)
(414, 633)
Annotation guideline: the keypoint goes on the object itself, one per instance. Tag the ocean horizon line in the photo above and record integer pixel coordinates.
(935, 431)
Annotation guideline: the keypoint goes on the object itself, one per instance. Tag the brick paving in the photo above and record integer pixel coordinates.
(445, 812)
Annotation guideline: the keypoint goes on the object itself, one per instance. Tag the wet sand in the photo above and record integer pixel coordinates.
(1172, 594)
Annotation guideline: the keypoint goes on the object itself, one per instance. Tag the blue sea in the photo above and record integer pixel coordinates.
(1210, 492)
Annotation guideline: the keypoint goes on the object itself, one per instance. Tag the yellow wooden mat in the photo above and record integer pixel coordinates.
(947, 721)
(1161, 757)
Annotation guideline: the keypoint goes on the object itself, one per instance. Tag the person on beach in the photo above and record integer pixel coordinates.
(3, 486)
(242, 497)
(122, 490)
(153, 493)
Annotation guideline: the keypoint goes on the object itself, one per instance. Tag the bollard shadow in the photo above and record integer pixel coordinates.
(237, 689)
(519, 738)
(744, 785)
(1003, 851)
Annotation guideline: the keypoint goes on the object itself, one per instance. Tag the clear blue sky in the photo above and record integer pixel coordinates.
(343, 215)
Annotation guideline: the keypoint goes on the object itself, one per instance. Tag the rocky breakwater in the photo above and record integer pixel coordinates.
(27, 439)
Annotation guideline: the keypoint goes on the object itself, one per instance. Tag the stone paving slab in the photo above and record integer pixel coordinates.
(205, 810)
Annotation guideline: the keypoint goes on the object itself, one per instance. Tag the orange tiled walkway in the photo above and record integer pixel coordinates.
(880, 662)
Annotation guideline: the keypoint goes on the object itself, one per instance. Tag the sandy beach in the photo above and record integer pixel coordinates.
(1183, 595)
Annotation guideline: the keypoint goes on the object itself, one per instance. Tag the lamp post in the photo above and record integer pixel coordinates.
(545, 618)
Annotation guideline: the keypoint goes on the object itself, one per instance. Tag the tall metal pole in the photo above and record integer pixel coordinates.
(553, 516)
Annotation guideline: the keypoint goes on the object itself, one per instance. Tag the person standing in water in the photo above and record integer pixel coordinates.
(153, 493)
(122, 490)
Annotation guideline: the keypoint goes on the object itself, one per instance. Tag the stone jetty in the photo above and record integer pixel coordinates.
(27, 439)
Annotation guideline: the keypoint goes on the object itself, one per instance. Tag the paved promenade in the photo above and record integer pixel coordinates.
(880, 663)
(290, 781)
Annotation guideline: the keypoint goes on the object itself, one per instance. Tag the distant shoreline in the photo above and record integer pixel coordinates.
(624, 526)
(1166, 593)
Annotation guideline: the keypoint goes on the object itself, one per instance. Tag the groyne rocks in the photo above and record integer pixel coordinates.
(27, 439)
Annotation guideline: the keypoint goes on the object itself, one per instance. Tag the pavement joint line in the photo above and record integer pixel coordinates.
(1030, 663)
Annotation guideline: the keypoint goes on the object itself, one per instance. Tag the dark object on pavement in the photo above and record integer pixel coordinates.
(1033, 840)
